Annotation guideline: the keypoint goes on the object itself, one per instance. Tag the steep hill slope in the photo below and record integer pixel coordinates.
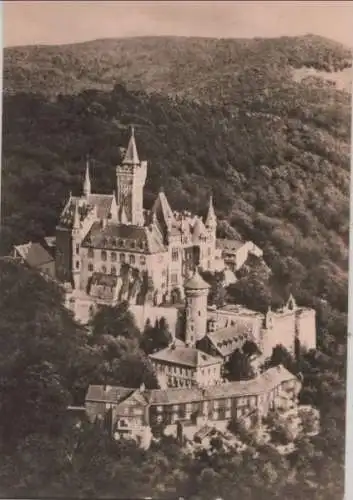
(280, 175)
(202, 68)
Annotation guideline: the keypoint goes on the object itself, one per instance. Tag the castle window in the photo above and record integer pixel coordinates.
(90, 253)
(132, 259)
(208, 251)
(113, 256)
(174, 279)
(90, 267)
(104, 269)
(132, 244)
(175, 254)
(122, 257)
(113, 271)
(77, 249)
(104, 255)
(77, 265)
(142, 260)
(199, 313)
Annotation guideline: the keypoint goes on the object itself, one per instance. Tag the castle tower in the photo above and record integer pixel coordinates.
(196, 292)
(76, 241)
(130, 178)
(87, 181)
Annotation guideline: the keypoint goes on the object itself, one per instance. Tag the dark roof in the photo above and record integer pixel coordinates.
(226, 340)
(196, 282)
(34, 254)
(130, 238)
(183, 355)
(102, 202)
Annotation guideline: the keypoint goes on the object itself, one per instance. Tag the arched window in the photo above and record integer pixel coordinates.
(132, 259)
(113, 271)
(122, 257)
(104, 255)
(113, 256)
(104, 269)
(77, 265)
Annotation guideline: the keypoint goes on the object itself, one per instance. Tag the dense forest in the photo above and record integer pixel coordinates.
(273, 150)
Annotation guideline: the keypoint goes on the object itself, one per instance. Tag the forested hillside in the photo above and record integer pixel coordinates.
(279, 170)
(235, 117)
(201, 68)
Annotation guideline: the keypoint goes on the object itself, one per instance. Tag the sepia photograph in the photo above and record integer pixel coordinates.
(175, 217)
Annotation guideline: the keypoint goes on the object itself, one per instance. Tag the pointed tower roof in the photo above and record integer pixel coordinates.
(196, 282)
(131, 155)
(87, 181)
(211, 216)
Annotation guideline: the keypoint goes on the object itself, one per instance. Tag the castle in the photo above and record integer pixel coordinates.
(101, 239)
(110, 249)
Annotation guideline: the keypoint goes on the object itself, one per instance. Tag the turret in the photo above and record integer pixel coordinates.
(87, 181)
(196, 292)
(211, 219)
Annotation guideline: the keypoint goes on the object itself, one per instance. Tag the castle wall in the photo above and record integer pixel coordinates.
(306, 328)
(282, 331)
(152, 313)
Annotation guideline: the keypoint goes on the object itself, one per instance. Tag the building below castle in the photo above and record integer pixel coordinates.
(134, 412)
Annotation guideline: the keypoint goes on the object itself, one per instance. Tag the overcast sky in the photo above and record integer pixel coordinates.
(41, 22)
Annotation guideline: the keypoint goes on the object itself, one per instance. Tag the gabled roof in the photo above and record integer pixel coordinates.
(103, 202)
(186, 356)
(107, 393)
(34, 254)
(124, 237)
(163, 212)
(226, 340)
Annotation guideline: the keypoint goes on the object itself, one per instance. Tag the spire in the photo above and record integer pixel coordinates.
(87, 181)
(211, 216)
(131, 155)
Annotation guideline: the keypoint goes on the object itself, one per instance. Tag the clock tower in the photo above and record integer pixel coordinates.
(130, 178)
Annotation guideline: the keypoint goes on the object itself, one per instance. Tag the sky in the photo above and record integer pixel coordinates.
(59, 22)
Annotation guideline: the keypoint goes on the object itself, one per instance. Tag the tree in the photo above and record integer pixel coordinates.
(38, 339)
(239, 367)
(155, 338)
(116, 321)
(281, 356)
